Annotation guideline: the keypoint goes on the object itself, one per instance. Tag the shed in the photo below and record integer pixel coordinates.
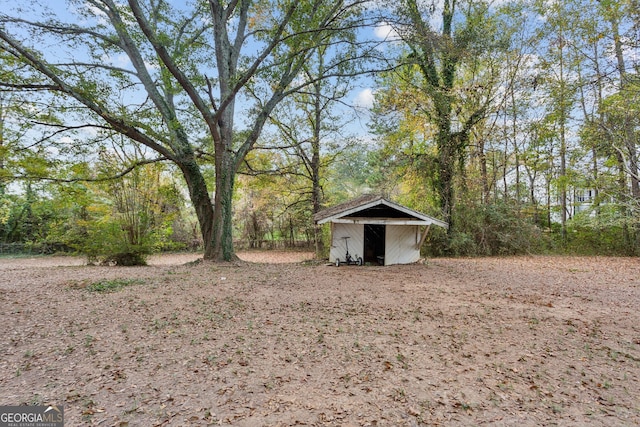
(378, 230)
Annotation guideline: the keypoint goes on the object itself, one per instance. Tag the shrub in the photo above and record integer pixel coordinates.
(487, 229)
(107, 286)
(604, 234)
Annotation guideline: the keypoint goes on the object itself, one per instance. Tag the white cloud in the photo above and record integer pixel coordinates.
(384, 31)
(364, 98)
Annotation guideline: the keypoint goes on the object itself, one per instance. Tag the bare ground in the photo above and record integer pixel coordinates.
(493, 341)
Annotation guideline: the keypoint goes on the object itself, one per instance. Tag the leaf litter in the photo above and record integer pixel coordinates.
(273, 341)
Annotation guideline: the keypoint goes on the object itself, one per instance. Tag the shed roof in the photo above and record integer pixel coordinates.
(374, 209)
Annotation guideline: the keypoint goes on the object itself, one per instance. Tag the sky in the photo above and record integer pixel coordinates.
(363, 95)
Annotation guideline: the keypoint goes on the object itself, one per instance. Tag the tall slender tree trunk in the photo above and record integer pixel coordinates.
(316, 191)
(486, 195)
(316, 197)
(590, 119)
(532, 197)
(629, 134)
(596, 169)
(563, 144)
(629, 143)
(563, 181)
(3, 185)
(516, 151)
(548, 191)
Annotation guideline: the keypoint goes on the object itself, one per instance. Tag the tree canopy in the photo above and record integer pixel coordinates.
(175, 79)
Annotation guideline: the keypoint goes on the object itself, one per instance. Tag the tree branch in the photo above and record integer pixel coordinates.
(119, 175)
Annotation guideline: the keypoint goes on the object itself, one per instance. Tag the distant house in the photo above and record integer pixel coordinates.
(376, 229)
(579, 200)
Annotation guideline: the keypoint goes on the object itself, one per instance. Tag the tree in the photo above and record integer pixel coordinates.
(627, 115)
(445, 105)
(189, 68)
(556, 67)
(132, 216)
(310, 133)
(23, 214)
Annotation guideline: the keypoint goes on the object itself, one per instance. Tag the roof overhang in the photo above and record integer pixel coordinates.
(348, 213)
(380, 221)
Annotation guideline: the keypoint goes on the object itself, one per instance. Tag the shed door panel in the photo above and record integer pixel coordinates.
(355, 232)
(374, 243)
(401, 247)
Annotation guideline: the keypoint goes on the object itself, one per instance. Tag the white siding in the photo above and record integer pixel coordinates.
(401, 244)
(356, 241)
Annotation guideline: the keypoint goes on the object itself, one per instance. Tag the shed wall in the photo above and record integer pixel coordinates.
(356, 241)
(401, 244)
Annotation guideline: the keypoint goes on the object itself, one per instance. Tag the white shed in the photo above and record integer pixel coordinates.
(376, 229)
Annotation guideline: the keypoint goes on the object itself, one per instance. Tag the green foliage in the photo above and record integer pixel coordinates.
(106, 243)
(325, 235)
(109, 222)
(348, 175)
(488, 229)
(463, 109)
(114, 285)
(6, 206)
(499, 229)
(134, 220)
(273, 211)
(607, 232)
(585, 240)
(28, 218)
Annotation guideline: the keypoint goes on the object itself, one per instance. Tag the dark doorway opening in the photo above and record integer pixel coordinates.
(374, 237)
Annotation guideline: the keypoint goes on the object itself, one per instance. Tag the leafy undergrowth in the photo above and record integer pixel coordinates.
(104, 285)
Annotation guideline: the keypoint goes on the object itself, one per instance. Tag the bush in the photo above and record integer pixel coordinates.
(106, 243)
(485, 230)
(126, 259)
(108, 286)
(591, 236)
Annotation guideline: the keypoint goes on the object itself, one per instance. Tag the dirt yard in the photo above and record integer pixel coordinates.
(525, 341)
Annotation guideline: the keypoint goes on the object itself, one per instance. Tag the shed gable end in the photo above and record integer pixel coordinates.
(380, 211)
(374, 210)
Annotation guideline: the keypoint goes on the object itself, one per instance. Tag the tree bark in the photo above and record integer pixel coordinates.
(438, 57)
(316, 191)
(484, 176)
(221, 246)
(199, 196)
(629, 141)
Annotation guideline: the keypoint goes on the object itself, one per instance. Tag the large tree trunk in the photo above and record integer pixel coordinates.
(199, 195)
(221, 241)
(446, 164)
(216, 226)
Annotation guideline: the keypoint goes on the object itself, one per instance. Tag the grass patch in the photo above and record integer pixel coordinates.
(112, 285)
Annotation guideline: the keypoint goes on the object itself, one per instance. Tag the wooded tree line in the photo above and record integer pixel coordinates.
(144, 125)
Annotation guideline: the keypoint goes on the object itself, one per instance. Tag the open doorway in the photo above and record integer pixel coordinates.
(374, 238)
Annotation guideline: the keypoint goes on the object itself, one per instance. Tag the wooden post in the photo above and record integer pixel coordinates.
(424, 236)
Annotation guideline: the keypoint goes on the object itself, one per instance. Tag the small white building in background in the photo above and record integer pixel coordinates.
(376, 229)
